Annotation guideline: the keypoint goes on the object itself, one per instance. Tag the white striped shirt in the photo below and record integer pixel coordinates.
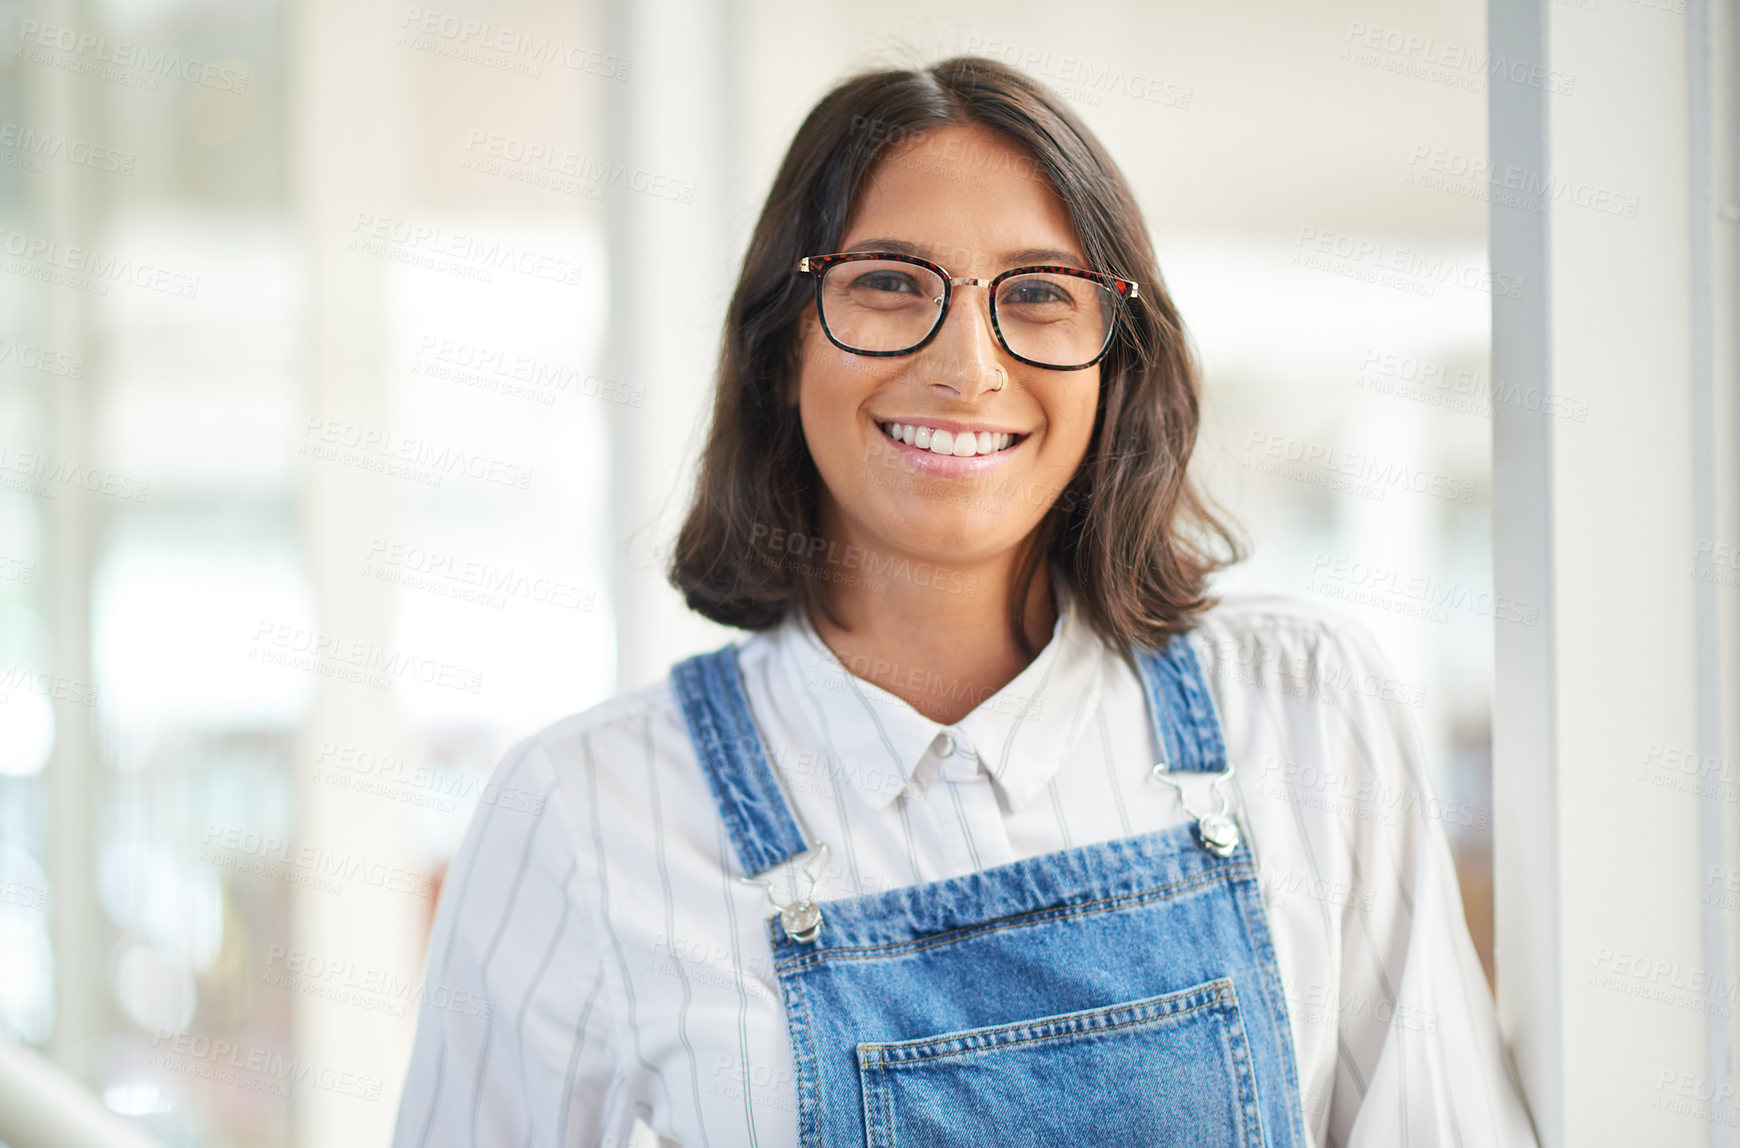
(630, 972)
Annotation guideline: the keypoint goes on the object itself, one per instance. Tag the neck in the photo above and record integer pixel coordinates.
(935, 635)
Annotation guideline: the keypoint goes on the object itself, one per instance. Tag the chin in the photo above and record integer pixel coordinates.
(947, 532)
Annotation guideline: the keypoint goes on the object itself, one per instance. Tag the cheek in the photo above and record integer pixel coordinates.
(1071, 420)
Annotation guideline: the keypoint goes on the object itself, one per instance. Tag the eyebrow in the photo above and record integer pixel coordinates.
(1019, 258)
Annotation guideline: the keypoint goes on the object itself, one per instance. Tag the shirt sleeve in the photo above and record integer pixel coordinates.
(1419, 1055)
(513, 1028)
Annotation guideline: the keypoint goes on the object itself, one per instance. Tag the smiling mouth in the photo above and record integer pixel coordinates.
(963, 445)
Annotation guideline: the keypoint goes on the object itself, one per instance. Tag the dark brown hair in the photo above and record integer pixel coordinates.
(1130, 533)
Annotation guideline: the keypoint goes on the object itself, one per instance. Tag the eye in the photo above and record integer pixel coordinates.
(885, 281)
(1036, 293)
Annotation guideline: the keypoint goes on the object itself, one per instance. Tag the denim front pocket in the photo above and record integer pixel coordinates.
(1164, 1070)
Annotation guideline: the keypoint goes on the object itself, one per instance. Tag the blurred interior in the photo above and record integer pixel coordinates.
(350, 355)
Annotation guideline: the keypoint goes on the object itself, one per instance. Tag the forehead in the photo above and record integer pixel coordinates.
(963, 196)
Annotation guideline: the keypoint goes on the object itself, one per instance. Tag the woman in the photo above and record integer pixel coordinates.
(996, 830)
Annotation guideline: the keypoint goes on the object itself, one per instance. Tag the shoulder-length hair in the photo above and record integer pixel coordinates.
(1130, 533)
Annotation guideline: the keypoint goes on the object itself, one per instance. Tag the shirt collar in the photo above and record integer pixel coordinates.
(879, 741)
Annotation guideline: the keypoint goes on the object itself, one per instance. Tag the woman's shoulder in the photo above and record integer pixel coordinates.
(642, 715)
(1280, 615)
(1296, 646)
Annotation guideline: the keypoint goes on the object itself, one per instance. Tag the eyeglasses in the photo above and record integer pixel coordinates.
(882, 303)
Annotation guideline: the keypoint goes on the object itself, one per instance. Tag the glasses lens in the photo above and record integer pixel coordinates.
(1058, 320)
(880, 304)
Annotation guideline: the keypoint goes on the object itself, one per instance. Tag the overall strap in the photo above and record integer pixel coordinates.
(1185, 725)
(709, 688)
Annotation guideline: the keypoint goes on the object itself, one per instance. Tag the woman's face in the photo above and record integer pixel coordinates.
(973, 204)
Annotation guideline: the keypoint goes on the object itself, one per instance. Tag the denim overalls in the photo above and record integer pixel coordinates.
(1118, 993)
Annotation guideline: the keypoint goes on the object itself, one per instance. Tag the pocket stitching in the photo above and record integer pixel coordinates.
(1055, 1036)
(1240, 1064)
(1239, 1051)
(1222, 986)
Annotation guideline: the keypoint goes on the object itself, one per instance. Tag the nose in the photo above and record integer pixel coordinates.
(965, 357)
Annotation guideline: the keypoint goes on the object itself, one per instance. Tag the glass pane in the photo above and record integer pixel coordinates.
(880, 305)
(1061, 319)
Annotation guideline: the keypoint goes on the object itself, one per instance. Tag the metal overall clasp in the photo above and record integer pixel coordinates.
(801, 916)
(1217, 831)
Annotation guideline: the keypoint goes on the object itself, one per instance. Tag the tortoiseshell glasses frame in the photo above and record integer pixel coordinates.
(1122, 289)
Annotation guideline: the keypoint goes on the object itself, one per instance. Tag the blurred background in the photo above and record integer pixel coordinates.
(352, 356)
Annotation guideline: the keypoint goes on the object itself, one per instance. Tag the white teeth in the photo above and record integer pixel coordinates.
(963, 445)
